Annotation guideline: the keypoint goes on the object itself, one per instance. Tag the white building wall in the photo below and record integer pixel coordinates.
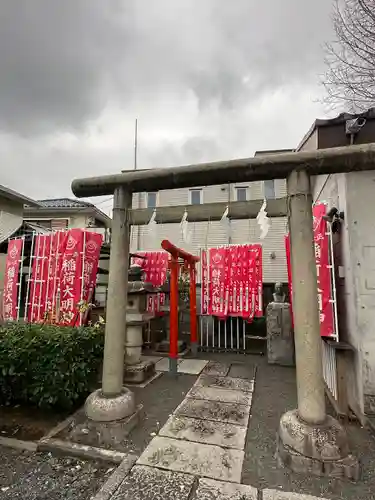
(214, 233)
(354, 195)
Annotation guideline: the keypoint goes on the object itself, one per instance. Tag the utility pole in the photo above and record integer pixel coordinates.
(139, 204)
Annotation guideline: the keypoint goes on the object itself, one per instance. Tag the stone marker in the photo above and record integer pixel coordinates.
(193, 458)
(213, 410)
(205, 431)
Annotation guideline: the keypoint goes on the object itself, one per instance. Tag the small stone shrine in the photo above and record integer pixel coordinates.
(280, 338)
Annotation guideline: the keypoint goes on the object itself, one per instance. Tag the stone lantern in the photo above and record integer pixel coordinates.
(136, 370)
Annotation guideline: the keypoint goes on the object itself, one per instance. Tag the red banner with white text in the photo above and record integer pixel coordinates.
(155, 266)
(11, 280)
(232, 281)
(323, 269)
(64, 270)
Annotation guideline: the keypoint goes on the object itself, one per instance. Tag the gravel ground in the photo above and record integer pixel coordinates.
(275, 393)
(39, 476)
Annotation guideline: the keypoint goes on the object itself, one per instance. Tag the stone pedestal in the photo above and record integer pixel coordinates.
(136, 371)
(280, 339)
(321, 450)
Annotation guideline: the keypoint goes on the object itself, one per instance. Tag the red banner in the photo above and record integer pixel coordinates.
(64, 273)
(204, 283)
(232, 281)
(155, 267)
(11, 285)
(323, 269)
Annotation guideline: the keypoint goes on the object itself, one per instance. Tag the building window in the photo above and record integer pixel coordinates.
(151, 200)
(269, 189)
(241, 193)
(195, 196)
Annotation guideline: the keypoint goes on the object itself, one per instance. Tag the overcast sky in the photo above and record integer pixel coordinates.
(207, 80)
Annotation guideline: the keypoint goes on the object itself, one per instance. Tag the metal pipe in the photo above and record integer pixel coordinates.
(259, 168)
(173, 317)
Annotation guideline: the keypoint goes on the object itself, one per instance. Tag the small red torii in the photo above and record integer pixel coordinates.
(191, 261)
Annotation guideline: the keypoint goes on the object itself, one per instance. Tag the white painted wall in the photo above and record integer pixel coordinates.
(209, 234)
(11, 214)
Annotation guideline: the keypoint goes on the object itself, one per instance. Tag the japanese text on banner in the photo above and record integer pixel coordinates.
(12, 269)
(323, 271)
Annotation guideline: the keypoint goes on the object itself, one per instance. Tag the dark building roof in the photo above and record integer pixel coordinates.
(65, 203)
(338, 120)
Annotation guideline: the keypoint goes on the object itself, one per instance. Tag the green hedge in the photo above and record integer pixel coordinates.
(48, 366)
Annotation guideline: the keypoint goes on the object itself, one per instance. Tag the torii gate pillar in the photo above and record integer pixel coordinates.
(113, 402)
(309, 440)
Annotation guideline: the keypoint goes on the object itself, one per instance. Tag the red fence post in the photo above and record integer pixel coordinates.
(173, 317)
(193, 310)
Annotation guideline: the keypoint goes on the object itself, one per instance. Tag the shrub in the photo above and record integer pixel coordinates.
(48, 366)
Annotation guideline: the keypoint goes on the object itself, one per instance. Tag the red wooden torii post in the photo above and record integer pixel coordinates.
(191, 260)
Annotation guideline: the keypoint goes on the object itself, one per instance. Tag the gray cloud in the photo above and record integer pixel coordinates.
(206, 79)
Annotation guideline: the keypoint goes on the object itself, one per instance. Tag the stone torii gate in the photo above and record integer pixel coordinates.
(308, 439)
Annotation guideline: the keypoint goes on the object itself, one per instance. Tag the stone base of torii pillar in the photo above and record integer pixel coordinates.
(309, 440)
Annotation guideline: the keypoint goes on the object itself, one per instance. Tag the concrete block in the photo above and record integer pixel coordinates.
(208, 489)
(108, 489)
(163, 365)
(213, 410)
(191, 366)
(193, 458)
(216, 368)
(283, 495)
(226, 383)
(205, 431)
(242, 370)
(149, 483)
(222, 395)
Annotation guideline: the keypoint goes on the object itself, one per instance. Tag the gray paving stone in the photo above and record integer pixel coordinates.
(205, 431)
(213, 410)
(209, 489)
(154, 359)
(149, 483)
(163, 364)
(283, 495)
(216, 368)
(223, 395)
(191, 366)
(238, 384)
(242, 370)
(194, 458)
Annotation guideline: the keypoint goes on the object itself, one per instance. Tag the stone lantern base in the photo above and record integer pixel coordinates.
(139, 373)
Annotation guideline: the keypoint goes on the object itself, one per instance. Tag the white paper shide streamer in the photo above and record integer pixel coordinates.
(185, 233)
(263, 221)
(152, 229)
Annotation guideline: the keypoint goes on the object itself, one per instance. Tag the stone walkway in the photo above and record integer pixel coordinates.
(198, 454)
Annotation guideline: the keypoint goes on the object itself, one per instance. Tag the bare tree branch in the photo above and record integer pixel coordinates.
(350, 60)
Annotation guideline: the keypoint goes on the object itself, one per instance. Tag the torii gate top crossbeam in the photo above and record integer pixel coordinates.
(179, 252)
(258, 168)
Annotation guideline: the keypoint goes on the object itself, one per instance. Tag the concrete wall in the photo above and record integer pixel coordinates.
(333, 190)
(361, 225)
(11, 214)
(210, 234)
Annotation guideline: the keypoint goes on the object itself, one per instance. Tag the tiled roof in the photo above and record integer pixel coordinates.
(65, 203)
